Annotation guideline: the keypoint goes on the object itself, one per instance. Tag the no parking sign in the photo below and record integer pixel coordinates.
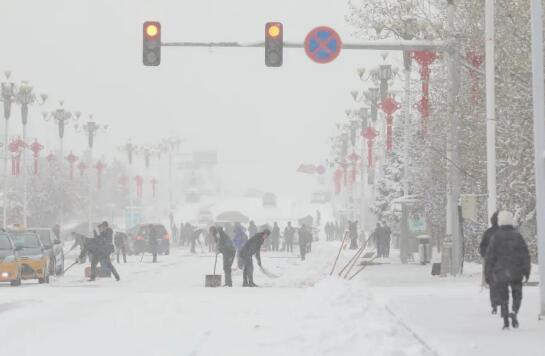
(323, 45)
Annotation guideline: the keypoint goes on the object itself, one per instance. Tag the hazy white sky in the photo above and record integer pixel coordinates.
(263, 121)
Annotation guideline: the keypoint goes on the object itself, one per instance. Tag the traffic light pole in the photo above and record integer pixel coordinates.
(380, 45)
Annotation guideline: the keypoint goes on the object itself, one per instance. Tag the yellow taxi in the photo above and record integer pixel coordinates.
(32, 256)
(10, 271)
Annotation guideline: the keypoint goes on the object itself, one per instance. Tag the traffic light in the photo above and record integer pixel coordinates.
(152, 43)
(274, 44)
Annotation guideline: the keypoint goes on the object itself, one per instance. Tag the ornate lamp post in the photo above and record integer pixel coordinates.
(389, 105)
(8, 97)
(62, 118)
(26, 97)
(153, 182)
(91, 129)
(82, 167)
(170, 145)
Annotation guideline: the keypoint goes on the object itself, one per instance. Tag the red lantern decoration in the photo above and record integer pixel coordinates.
(424, 59)
(475, 59)
(320, 170)
(82, 167)
(16, 147)
(36, 148)
(139, 182)
(153, 182)
(369, 134)
(71, 158)
(389, 105)
(99, 167)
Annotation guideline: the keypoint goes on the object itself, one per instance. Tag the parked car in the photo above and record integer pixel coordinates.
(10, 270)
(269, 200)
(32, 255)
(145, 231)
(54, 247)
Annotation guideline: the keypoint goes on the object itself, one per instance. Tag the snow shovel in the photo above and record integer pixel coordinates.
(213, 280)
(268, 273)
(72, 265)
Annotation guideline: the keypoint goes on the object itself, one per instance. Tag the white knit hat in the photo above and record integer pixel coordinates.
(505, 218)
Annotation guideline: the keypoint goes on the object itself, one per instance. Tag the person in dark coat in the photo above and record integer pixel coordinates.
(225, 246)
(487, 236)
(387, 239)
(275, 237)
(99, 249)
(507, 262)
(153, 241)
(289, 236)
(121, 241)
(304, 237)
(247, 251)
(353, 234)
(378, 239)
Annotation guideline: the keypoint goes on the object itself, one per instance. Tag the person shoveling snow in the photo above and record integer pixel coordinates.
(245, 258)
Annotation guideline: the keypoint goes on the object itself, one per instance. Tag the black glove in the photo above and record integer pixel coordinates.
(526, 278)
(259, 264)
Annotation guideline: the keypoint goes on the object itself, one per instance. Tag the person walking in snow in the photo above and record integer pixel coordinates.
(304, 238)
(247, 251)
(225, 246)
(353, 234)
(275, 237)
(376, 237)
(121, 240)
(483, 247)
(387, 239)
(289, 236)
(507, 262)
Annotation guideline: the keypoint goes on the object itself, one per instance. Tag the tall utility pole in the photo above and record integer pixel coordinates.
(407, 120)
(453, 155)
(490, 107)
(539, 139)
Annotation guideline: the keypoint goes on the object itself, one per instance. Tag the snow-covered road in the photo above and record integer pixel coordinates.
(163, 309)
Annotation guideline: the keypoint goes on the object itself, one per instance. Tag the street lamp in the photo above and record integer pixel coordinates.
(62, 118)
(26, 97)
(8, 97)
(90, 129)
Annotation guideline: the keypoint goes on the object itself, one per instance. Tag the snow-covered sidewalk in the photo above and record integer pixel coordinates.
(452, 315)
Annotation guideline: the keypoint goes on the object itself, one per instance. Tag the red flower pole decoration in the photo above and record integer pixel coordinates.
(353, 158)
(36, 148)
(82, 167)
(153, 182)
(139, 182)
(100, 168)
(389, 105)
(337, 179)
(475, 59)
(71, 158)
(369, 134)
(424, 59)
(16, 147)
